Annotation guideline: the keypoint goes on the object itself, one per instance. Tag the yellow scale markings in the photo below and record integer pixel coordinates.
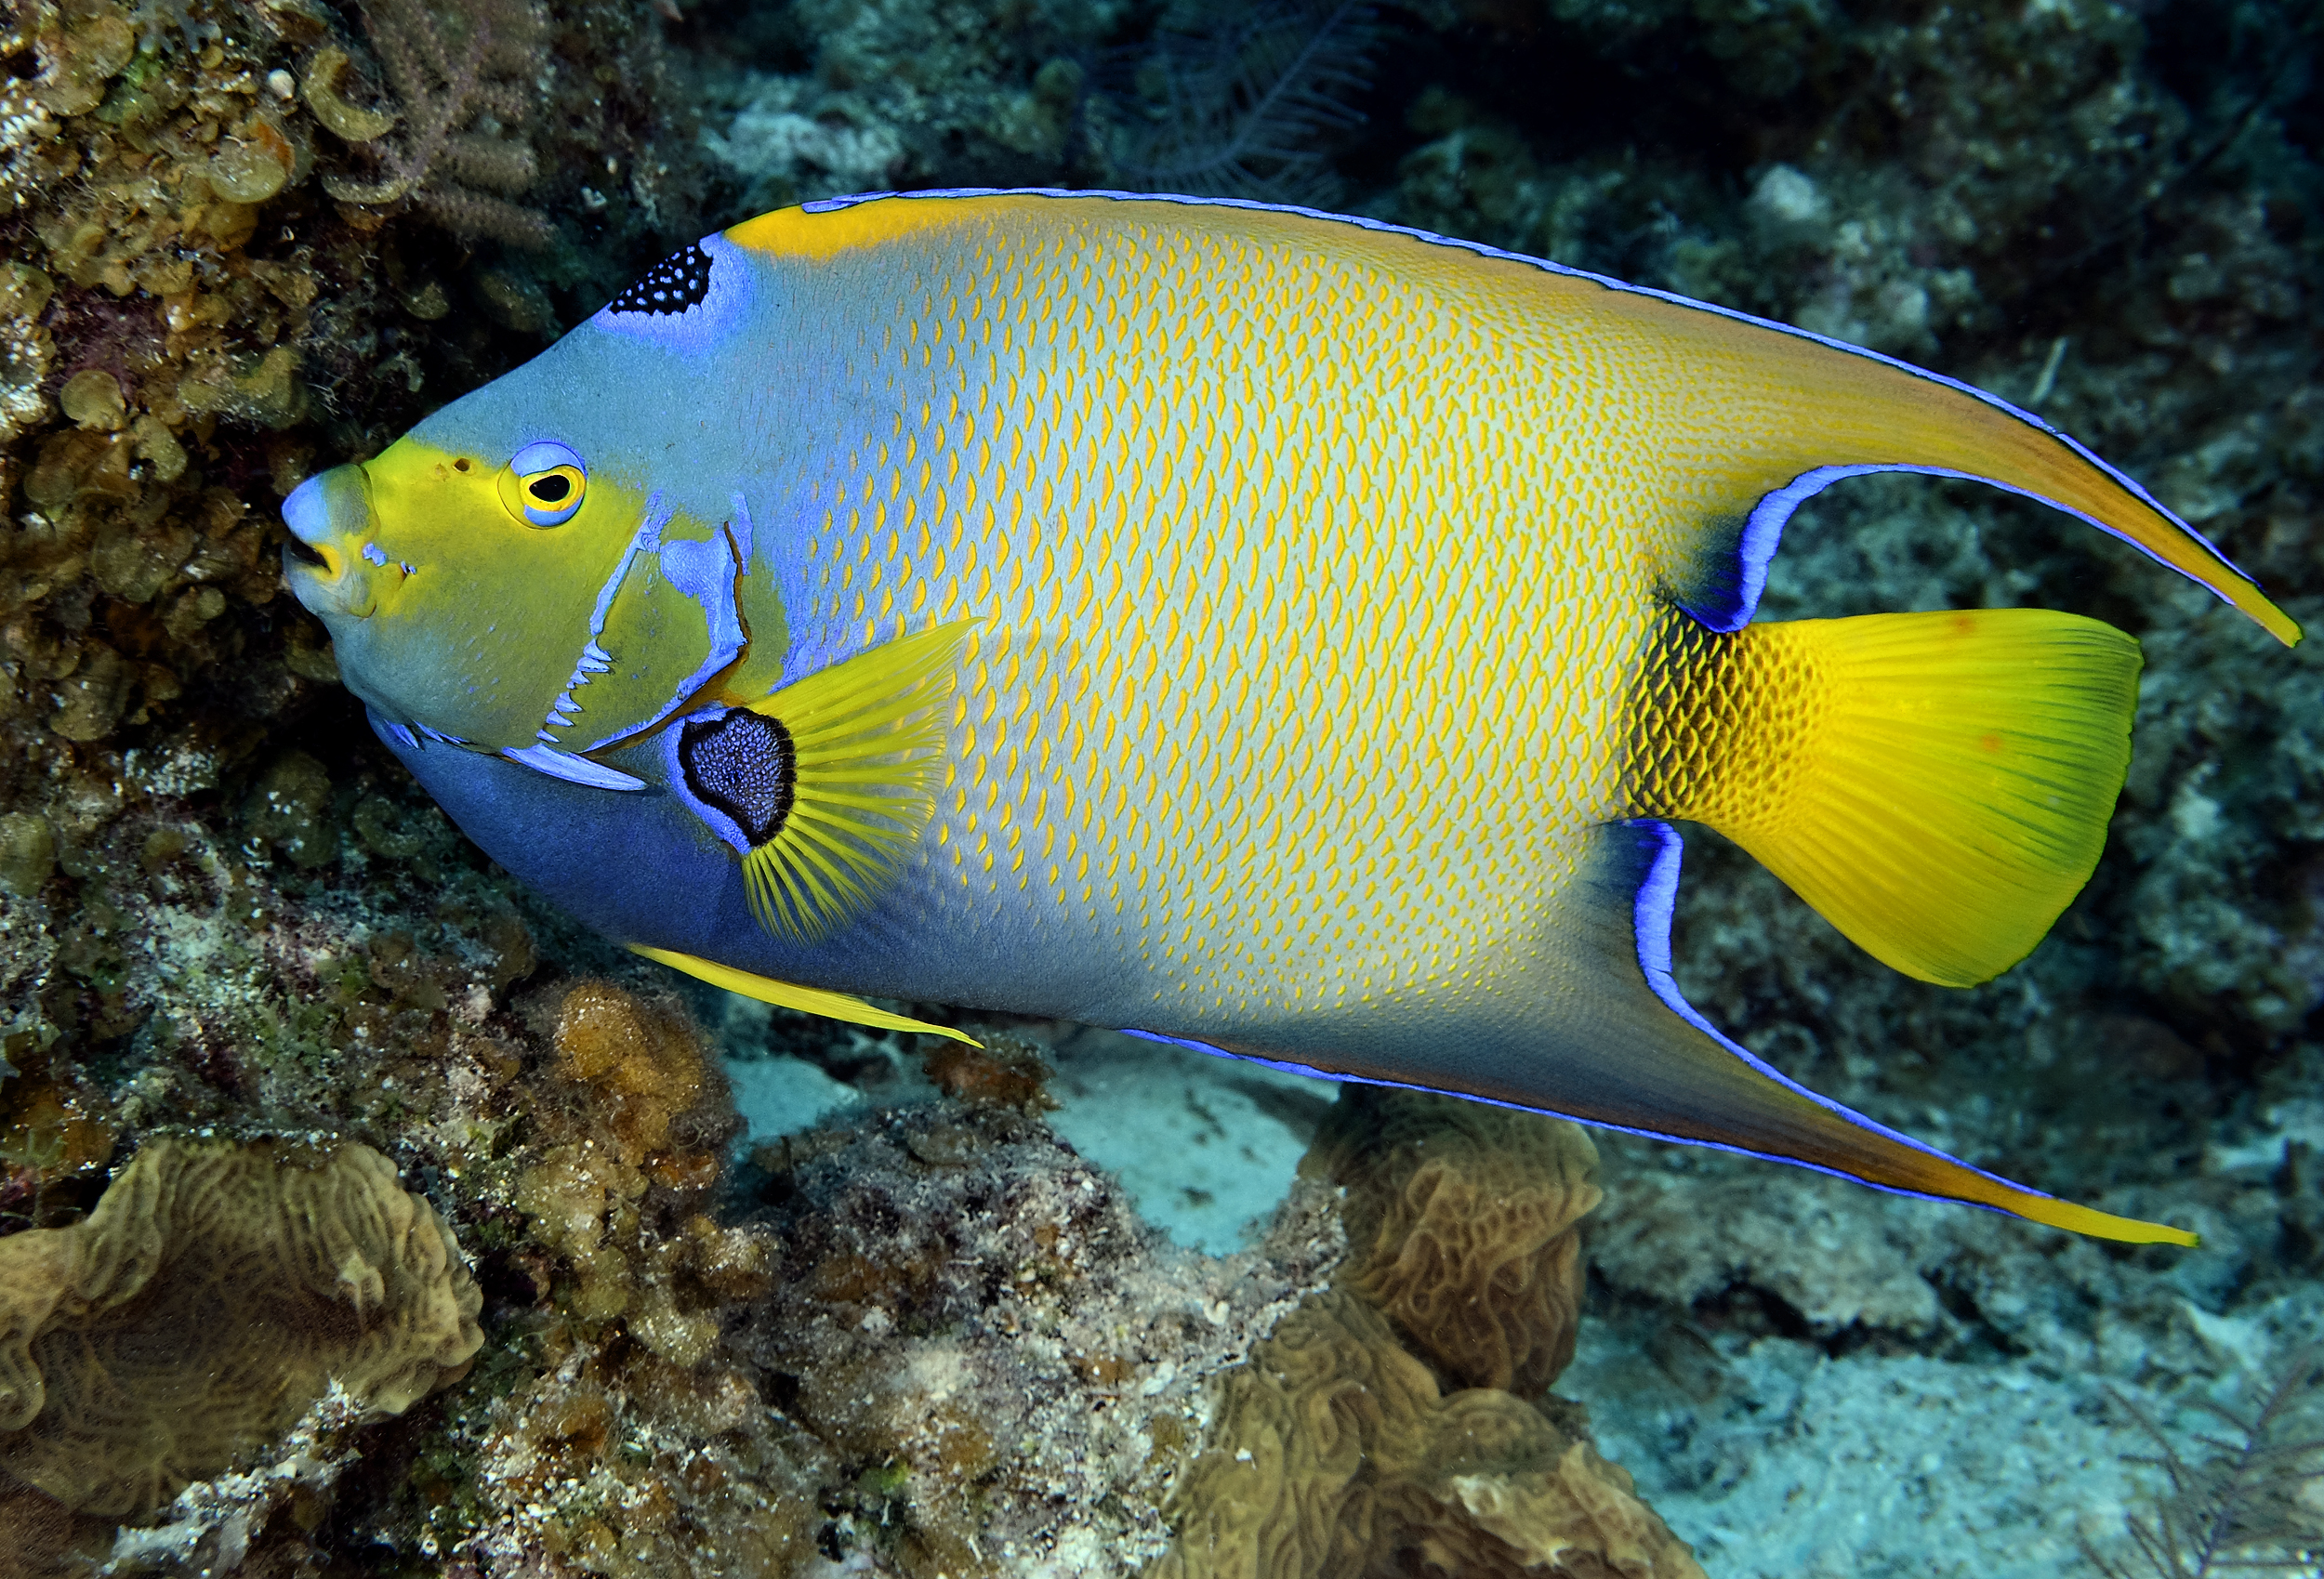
(1106, 518)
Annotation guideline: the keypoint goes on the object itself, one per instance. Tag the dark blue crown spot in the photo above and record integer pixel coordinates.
(672, 285)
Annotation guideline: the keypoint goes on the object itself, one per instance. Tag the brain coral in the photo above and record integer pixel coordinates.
(213, 1294)
(1336, 1453)
(1461, 1228)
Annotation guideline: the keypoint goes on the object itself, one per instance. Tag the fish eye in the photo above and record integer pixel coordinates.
(545, 484)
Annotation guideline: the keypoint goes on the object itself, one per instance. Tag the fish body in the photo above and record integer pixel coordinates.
(1283, 634)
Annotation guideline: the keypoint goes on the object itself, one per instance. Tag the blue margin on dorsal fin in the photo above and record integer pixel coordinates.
(1762, 529)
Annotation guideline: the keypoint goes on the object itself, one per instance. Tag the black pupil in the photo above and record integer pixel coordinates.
(552, 489)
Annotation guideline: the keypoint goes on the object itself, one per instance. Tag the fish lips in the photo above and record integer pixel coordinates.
(325, 514)
(328, 514)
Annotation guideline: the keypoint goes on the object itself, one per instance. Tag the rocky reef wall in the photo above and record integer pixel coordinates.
(240, 242)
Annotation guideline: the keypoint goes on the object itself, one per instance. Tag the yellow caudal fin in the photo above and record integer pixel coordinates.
(789, 994)
(1935, 785)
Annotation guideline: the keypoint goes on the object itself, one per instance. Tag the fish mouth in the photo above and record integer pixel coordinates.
(314, 557)
(318, 578)
(321, 512)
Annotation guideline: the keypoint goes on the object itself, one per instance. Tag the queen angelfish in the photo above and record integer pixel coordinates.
(1285, 635)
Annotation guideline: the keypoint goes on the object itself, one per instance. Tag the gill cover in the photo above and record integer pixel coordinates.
(541, 605)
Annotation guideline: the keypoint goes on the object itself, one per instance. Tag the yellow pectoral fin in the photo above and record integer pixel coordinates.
(785, 994)
(867, 740)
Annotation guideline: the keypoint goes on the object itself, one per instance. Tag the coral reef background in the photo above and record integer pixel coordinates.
(242, 240)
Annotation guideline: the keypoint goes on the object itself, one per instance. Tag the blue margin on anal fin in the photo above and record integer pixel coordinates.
(1641, 1036)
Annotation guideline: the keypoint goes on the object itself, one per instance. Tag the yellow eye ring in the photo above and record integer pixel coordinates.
(544, 484)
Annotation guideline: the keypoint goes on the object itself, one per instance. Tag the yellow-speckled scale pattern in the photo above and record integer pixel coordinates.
(1302, 646)
(1723, 724)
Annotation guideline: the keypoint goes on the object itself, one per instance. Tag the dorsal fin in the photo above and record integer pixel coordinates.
(1767, 416)
(1754, 417)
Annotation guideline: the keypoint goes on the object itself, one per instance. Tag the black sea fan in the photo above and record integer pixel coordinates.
(1243, 100)
(2250, 1505)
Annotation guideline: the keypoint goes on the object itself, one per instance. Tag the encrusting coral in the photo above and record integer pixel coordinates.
(1374, 1432)
(940, 1343)
(220, 270)
(213, 1295)
(642, 1068)
(612, 1432)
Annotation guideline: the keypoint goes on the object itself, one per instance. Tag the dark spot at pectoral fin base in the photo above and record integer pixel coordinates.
(1636, 1055)
(743, 764)
(824, 787)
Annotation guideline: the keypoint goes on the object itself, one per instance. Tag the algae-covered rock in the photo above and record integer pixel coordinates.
(191, 323)
(997, 1358)
(28, 851)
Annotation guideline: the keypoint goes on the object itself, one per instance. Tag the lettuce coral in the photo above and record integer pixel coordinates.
(1461, 1222)
(1334, 1452)
(1387, 1427)
(213, 1295)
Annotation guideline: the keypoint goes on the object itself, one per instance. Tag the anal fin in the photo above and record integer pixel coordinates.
(1638, 1056)
(788, 995)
